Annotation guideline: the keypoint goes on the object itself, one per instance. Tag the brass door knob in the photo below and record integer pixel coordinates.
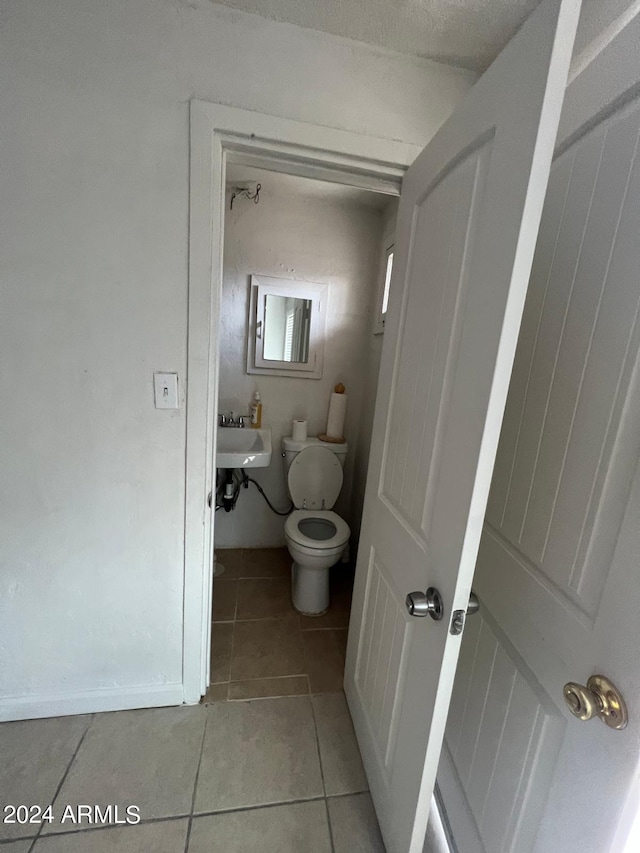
(600, 698)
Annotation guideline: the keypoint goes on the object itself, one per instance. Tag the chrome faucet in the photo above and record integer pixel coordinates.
(229, 421)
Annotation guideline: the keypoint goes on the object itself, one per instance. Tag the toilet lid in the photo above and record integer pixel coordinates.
(315, 476)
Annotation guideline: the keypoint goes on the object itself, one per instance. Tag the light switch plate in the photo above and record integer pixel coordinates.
(165, 387)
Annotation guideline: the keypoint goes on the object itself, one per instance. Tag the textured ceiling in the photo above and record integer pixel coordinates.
(468, 33)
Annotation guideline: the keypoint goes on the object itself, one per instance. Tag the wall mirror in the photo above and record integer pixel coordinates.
(286, 327)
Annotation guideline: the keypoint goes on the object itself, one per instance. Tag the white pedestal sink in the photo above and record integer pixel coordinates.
(243, 448)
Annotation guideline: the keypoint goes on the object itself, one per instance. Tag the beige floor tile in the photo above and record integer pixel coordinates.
(257, 753)
(17, 846)
(324, 660)
(265, 563)
(264, 598)
(34, 755)
(215, 693)
(260, 688)
(267, 649)
(231, 559)
(167, 836)
(225, 592)
(221, 648)
(331, 619)
(146, 758)
(341, 763)
(297, 828)
(341, 637)
(354, 825)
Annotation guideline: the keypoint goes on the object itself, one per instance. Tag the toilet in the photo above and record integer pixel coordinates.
(316, 536)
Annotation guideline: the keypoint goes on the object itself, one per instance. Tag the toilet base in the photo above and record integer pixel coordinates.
(310, 589)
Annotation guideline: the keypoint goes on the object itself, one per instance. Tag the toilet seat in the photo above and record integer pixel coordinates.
(337, 540)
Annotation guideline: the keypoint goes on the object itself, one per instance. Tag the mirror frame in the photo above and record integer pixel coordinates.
(263, 286)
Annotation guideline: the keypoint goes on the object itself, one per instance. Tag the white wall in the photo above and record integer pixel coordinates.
(290, 235)
(93, 241)
(372, 369)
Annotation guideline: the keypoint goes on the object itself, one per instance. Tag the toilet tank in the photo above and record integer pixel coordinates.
(291, 448)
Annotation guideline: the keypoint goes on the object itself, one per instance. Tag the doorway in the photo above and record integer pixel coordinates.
(301, 233)
(220, 137)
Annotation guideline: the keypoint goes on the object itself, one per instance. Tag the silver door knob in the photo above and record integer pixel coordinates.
(474, 604)
(427, 603)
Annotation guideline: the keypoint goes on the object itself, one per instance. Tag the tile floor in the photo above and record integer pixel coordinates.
(273, 771)
(276, 775)
(260, 646)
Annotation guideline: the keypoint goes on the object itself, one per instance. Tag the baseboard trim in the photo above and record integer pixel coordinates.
(90, 701)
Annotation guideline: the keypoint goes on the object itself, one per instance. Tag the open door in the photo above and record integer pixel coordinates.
(557, 570)
(467, 226)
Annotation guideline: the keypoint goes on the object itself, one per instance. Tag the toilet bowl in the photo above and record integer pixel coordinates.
(316, 541)
(316, 536)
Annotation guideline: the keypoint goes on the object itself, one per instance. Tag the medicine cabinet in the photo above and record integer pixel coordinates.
(286, 327)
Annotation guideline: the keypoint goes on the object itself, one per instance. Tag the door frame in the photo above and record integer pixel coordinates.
(220, 133)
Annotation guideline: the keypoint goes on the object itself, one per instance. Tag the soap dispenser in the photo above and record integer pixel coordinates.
(256, 411)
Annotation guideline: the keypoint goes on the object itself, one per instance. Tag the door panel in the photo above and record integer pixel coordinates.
(573, 374)
(466, 231)
(557, 565)
(382, 660)
(444, 222)
(501, 741)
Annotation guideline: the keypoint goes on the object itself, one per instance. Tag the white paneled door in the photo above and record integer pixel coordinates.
(558, 571)
(467, 226)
